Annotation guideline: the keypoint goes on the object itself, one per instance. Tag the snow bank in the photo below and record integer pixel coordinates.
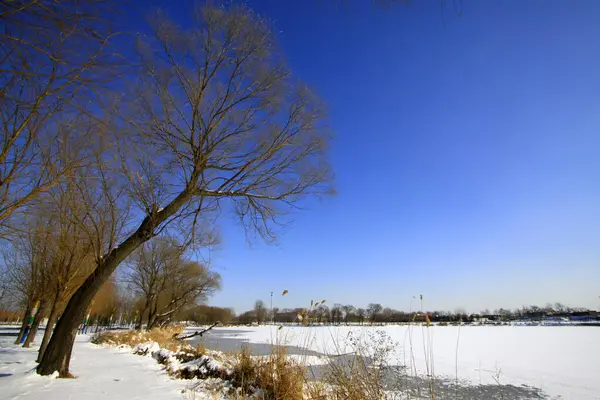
(185, 365)
(188, 365)
(143, 349)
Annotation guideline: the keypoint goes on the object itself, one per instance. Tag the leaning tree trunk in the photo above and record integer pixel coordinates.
(48, 332)
(39, 315)
(24, 323)
(58, 353)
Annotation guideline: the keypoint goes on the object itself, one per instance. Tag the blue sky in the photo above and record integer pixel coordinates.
(466, 152)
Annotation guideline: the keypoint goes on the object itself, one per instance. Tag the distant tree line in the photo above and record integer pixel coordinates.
(375, 313)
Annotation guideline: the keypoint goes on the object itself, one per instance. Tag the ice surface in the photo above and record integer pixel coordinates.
(560, 360)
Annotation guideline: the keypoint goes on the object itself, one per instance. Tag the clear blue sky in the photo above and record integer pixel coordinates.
(467, 156)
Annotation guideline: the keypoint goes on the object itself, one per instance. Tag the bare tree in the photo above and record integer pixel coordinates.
(168, 281)
(70, 255)
(361, 313)
(323, 314)
(387, 314)
(190, 283)
(27, 260)
(349, 311)
(561, 308)
(216, 121)
(373, 311)
(260, 311)
(148, 272)
(337, 313)
(99, 214)
(4, 277)
(273, 314)
(52, 57)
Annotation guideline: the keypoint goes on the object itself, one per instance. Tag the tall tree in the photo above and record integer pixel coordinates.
(70, 255)
(216, 121)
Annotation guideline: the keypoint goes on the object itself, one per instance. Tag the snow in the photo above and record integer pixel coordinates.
(101, 373)
(146, 348)
(204, 364)
(561, 360)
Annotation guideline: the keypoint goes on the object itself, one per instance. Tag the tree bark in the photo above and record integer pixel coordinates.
(48, 332)
(35, 324)
(140, 321)
(152, 316)
(144, 310)
(58, 353)
(24, 323)
(150, 323)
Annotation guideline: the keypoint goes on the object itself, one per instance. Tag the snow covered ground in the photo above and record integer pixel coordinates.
(101, 373)
(562, 361)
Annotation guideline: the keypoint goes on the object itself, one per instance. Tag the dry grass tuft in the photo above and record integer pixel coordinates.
(317, 390)
(362, 376)
(354, 381)
(201, 349)
(277, 376)
(245, 372)
(165, 337)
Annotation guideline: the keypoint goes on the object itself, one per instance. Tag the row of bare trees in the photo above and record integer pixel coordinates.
(139, 148)
(47, 259)
(376, 313)
(209, 315)
(48, 263)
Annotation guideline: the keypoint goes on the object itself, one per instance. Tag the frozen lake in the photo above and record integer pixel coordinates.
(562, 361)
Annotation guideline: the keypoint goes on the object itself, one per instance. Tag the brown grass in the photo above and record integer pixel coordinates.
(279, 377)
(362, 375)
(354, 381)
(165, 337)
